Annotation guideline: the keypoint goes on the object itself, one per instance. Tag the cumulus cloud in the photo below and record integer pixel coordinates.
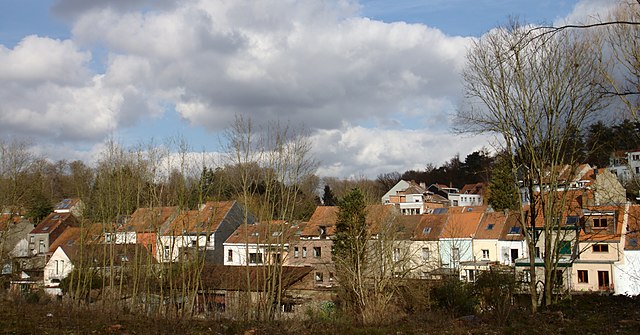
(378, 96)
(310, 62)
(355, 151)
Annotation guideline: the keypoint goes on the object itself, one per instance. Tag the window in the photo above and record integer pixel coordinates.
(471, 276)
(455, 254)
(255, 258)
(600, 248)
(559, 280)
(323, 231)
(485, 253)
(526, 276)
(426, 254)
(583, 276)
(514, 231)
(230, 256)
(194, 243)
(637, 169)
(318, 277)
(331, 277)
(304, 252)
(426, 230)
(41, 247)
(167, 252)
(59, 267)
(538, 252)
(396, 254)
(635, 157)
(600, 223)
(107, 238)
(317, 252)
(490, 226)
(296, 252)
(31, 240)
(565, 247)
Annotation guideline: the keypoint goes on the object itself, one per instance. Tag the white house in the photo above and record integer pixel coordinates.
(201, 231)
(57, 268)
(260, 243)
(625, 164)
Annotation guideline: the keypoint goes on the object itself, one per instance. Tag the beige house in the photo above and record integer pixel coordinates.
(599, 248)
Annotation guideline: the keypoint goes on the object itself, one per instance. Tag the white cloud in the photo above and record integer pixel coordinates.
(312, 62)
(356, 151)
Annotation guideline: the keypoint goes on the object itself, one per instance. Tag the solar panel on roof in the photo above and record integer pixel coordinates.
(439, 210)
(572, 220)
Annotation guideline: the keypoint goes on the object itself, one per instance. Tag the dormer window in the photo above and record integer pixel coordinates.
(323, 231)
(600, 223)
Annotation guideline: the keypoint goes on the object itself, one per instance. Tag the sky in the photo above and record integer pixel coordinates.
(376, 82)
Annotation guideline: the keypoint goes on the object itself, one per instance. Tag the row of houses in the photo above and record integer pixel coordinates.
(433, 232)
(598, 249)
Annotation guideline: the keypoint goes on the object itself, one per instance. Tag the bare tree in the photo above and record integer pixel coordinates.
(269, 166)
(534, 89)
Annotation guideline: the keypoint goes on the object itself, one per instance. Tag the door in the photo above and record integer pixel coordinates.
(514, 255)
(603, 280)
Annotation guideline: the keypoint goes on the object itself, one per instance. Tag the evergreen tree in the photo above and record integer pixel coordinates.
(328, 199)
(350, 247)
(503, 193)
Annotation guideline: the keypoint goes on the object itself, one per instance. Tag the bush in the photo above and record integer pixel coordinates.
(495, 288)
(455, 297)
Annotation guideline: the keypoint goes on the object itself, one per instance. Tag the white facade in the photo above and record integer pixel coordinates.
(400, 186)
(170, 247)
(509, 249)
(57, 268)
(120, 237)
(237, 253)
(627, 274)
(462, 200)
(626, 168)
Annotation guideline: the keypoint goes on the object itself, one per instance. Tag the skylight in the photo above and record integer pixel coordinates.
(490, 226)
(514, 230)
(426, 230)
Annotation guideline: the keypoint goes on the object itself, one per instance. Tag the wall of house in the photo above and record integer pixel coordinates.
(422, 263)
(505, 247)
(490, 245)
(233, 220)
(592, 270)
(627, 274)
(587, 252)
(120, 237)
(58, 267)
(323, 268)
(149, 241)
(239, 253)
(401, 185)
(35, 241)
(447, 246)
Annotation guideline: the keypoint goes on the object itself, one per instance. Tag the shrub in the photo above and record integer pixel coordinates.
(455, 297)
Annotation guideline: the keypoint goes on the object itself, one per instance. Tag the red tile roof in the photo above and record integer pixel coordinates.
(53, 221)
